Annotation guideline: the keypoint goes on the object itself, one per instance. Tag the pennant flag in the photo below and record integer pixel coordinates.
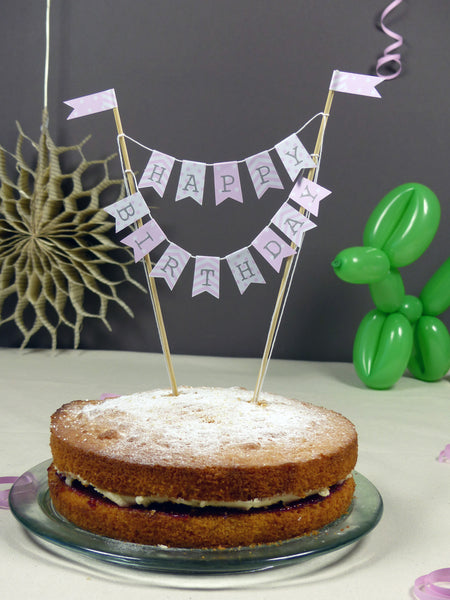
(263, 173)
(354, 83)
(171, 264)
(93, 103)
(308, 194)
(226, 182)
(192, 181)
(244, 269)
(294, 156)
(292, 223)
(128, 210)
(272, 248)
(144, 239)
(157, 172)
(206, 275)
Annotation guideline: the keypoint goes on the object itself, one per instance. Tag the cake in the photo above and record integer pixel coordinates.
(207, 468)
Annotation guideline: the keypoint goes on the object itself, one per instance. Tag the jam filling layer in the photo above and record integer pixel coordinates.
(184, 509)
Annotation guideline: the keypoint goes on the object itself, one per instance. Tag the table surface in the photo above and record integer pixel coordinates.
(401, 434)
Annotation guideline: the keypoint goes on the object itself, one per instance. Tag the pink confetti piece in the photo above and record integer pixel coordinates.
(4, 494)
(425, 587)
(444, 456)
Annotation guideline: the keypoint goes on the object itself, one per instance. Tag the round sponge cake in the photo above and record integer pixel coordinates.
(209, 467)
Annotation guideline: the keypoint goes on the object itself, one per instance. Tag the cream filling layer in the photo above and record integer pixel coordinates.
(126, 501)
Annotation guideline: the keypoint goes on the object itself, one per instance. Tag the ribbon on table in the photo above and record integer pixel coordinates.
(444, 455)
(389, 56)
(425, 587)
(4, 494)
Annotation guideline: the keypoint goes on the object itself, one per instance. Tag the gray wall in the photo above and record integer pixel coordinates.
(218, 80)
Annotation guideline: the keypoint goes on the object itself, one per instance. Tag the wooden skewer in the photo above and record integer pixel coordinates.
(289, 261)
(147, 262)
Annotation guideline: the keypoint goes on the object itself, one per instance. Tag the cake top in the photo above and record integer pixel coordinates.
(202, 426)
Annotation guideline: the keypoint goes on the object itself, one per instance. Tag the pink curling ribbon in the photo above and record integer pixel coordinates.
(444, 456)
(425, 587)
(389, 56)
(4, 494)
(106, 395)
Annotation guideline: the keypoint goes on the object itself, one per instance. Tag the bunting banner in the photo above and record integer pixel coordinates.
(206, 276)
(244, 269)
(128, 210)
(206, 279)
(171, 264)
(308, 194)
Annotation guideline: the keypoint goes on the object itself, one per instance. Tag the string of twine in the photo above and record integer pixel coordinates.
(47, 54)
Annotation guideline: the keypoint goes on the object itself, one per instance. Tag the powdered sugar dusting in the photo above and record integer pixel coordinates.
(209, 425)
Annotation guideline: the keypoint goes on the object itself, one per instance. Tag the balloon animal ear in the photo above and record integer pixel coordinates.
(402, 331)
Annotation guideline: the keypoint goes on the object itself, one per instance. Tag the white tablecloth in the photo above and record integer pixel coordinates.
(401, 433)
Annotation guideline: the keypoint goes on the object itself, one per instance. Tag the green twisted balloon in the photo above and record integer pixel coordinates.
(403, 331)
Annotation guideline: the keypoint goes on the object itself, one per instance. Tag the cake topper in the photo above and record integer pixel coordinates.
(279, 241)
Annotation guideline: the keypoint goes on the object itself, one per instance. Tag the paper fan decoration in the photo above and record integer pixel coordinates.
(55, 252)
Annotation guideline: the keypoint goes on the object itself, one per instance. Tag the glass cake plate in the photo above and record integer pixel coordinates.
(31, 504)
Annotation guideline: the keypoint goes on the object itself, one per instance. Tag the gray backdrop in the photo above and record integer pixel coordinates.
(219, 80)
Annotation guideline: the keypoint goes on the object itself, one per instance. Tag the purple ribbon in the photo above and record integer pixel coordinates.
(4, 494)
(389, 56)
(425, 587)
(444, 456)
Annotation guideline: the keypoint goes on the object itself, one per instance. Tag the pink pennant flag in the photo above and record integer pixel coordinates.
(272, 248)
(244, 269)
(263, 173)
(354, 83)
(292, 223)
(206, 275)
(128, 210)
(294, 156)
(171, 264)
(192, 181)
(308, 194)
(227, 183)
(144, 239)
(157, 172)
(93, 103)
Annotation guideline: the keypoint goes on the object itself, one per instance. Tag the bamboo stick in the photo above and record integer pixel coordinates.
(147, 262)
(289, 261)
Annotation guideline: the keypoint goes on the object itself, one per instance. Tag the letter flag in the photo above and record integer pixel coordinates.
(292, 223)
(263, 173)
(227, 183)
(157, 172)
(272, 248)
(144, 239)
(294, 156)
(171, 264)
(244, 269)
(128, 210)
(206, 275)
(308, 194)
